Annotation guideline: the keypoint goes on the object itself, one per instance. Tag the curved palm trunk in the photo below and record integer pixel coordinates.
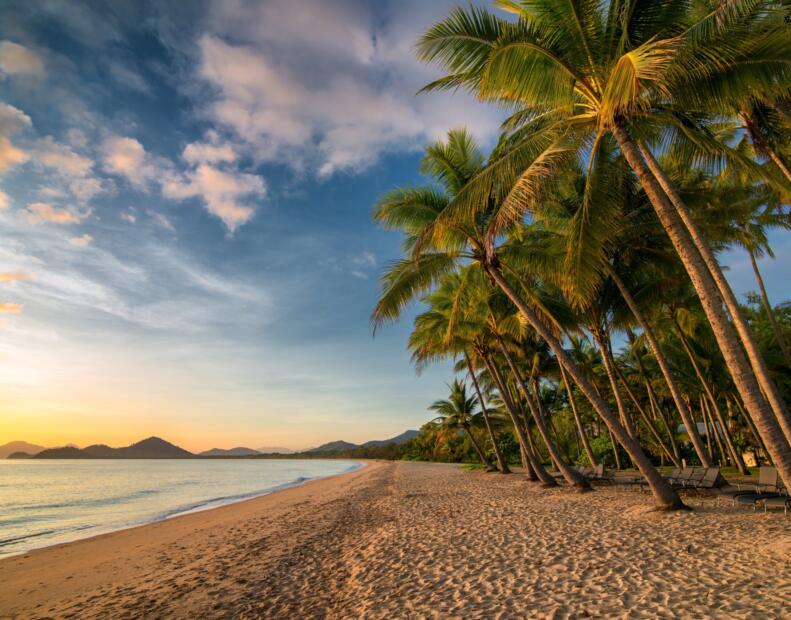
(735, 456)
(717, 437)
(500, 460)
(665, 496)
(701, 278)
(708, 279)
(609, 366)
(578, 420)
(664, 367)
(571, 475)
(524, 442)
(647, 420)
(705, 413)
(529, 471)
(781, 341)
(478, 450)
(549, 421)
(659, 413)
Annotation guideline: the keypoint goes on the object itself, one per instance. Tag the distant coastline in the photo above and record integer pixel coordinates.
(158, 448)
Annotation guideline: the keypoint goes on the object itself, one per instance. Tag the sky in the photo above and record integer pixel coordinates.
(185, 209)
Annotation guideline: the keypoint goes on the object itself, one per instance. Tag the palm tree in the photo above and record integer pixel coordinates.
(438, 237)
(578, 71)
(459, 412)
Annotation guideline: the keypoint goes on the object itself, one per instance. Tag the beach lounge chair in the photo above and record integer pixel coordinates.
(768, 487)
(711, 477)
(781, 501)
(695, 478)
(683, 476)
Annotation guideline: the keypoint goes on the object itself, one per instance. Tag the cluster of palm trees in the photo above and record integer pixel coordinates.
(642, 138)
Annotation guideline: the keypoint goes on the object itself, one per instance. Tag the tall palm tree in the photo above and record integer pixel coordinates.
(578, 71)
(438, 239)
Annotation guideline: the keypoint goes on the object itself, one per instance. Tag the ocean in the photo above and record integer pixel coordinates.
(48, 502)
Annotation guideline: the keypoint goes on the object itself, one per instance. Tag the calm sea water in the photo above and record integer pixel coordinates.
(50, 502)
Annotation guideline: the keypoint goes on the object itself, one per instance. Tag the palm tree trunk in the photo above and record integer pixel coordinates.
(735, 457)
(500, 461)
(475, 445)
(609, 366)
(550, 422)
(646, 419)
(572, 476)
(664, 367)
(781, 341)
(708, 279)
(659, 413)
(717, 437)
(615, 454)
(578, 420)
(704, 412)
(535, 463)
(664, 495)
(701, 278)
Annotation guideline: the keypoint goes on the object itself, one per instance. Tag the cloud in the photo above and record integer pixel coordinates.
(129, 216)
(365, 259)
(330, 87)
(40, 212)
(223, 192)
(15, 276)
(11, 120)
(17, 59)
(359, 274)
(81, 241)
(127, 157)
(128, 77)
(11, 308)
(162, 221)
(4, 201)
(62, 158)
(210, 152)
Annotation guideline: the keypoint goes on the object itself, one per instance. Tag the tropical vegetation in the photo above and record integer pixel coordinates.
(571, 273)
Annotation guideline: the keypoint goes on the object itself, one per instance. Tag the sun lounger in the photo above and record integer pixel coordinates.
(781, 501)
(767, 486)
(711, 476)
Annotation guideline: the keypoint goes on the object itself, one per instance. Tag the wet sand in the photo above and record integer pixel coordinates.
(409, 540)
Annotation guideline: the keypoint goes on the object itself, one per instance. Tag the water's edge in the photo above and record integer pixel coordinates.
(177, 511)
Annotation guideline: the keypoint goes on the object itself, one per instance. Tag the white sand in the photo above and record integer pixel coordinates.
(407, 540)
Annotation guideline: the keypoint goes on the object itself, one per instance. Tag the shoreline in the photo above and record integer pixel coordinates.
(202, 506)
(400, 539)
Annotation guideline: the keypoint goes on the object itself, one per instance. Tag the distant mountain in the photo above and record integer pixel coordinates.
(20, 455)
(19, 446)
(275, 450)
(398, 440)
(151, 448)
(232, 452)
(332, 446)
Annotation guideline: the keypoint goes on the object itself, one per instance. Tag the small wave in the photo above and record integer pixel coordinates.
(90, 503)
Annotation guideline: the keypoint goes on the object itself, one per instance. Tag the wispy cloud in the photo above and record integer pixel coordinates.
(17, 59)
(15, 276)
(11, 120)
(81, 241)
(10, 308)
(41, 212)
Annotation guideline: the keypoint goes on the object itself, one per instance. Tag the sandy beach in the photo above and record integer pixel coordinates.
(409, 540)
